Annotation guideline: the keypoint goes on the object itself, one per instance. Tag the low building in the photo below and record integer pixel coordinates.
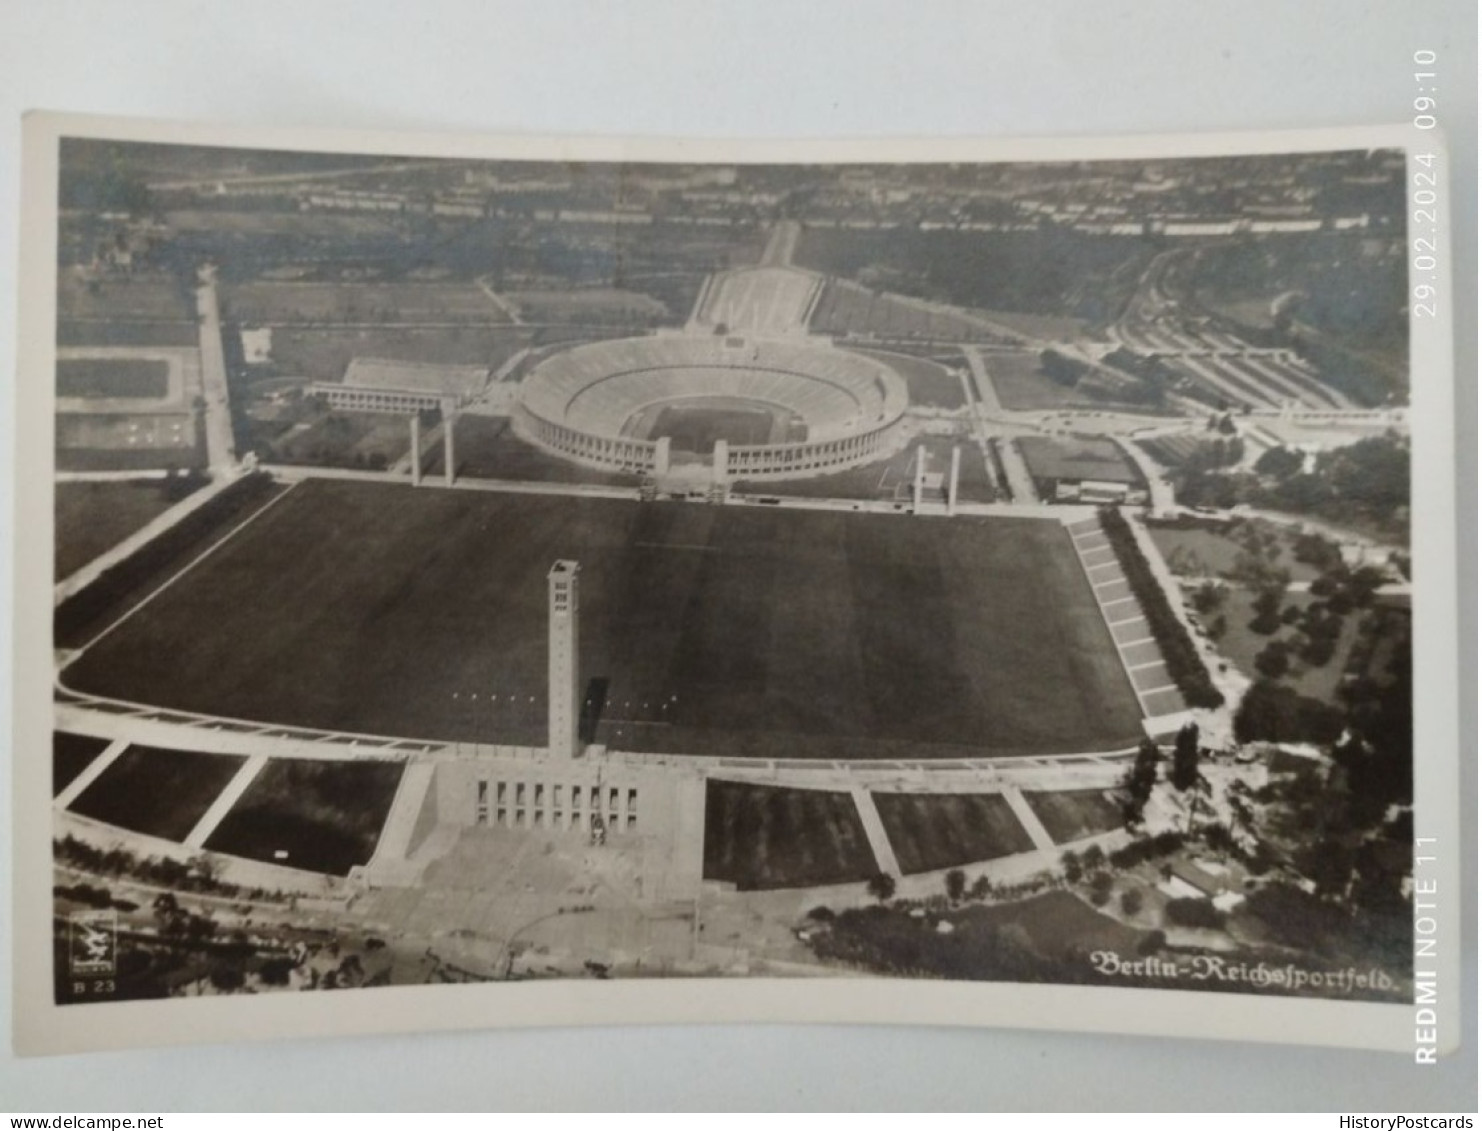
(257, 345)
(379, 385)
(1082, 470)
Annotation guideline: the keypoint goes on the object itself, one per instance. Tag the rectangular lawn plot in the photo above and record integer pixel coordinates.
(1072, 814)
(157, 791)
(325, 815)
(943, 830)
(929, 384)
(95, 378)
(726, 631)
(70, 755)
(760, 837)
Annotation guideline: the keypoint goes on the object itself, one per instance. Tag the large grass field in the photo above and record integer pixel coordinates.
(279, 303)
(1072, 814)
(321, 353)
(1021, 383)
(719, 630)
(928, 831)
(931, 385)
(323, 816)
(1240, 644)
(846, 308)
(697, 428)
(126, 583)
(760, 837)
(1207, 551)
(94, 516)
(70, 755)
(97, 377)
(156, 791)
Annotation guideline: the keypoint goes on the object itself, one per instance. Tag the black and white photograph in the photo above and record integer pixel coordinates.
(476, 570)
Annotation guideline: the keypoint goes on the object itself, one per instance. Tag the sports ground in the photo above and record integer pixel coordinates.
(733, 631)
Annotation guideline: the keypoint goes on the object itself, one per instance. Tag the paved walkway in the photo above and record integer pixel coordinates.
(782, 244)
(221, 444)
(1160, 491)
(228, 797)
(151, 530)
(875, 833)
(92, 773)
(507, 308)
(1021, 483)
(982, 379)
(1043, 841)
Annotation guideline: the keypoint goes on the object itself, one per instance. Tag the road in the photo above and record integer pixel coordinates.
(982, 380)
(1160, 491)
(509, 309)
(291, 178)
(221, 446)
(782, 244)
(1021, 483)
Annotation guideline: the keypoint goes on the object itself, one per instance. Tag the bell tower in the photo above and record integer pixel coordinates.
(564, 693)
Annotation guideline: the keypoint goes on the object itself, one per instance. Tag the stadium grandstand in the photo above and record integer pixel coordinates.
(769, 408)
(375, 384)
(758, 300)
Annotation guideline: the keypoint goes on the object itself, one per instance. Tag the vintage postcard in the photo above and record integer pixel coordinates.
(545, 581)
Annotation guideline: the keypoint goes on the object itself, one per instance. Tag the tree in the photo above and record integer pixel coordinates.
(1208, 597)
(956, 881)
(981, 889)
(1101, 888)
(1185, 771)
(1267, 606)
(1131, 901)
(1072, 865)
(1193, 912)
(1274, 660)
(881, 885)
(1274, 713)
(1280, 462)
(1140, 779)
(227, 977)
(275, 971)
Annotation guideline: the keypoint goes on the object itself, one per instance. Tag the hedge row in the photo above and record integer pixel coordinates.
(90, 610)
(1179, 654)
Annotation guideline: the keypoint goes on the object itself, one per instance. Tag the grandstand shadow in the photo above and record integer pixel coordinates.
(594, 702)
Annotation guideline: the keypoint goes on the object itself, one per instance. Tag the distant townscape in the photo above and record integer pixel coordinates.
(491, 570)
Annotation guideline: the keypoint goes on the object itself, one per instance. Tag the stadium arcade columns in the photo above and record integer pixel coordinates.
(449, 417)
(952, 481)
(416, 450)
(918, 479)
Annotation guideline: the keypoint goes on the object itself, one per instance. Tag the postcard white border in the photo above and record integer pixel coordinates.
(40, 1026)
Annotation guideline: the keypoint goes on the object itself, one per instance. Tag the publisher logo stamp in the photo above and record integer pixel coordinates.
(93, 945)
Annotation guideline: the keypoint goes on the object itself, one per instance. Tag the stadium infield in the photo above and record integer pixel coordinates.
(732, 631)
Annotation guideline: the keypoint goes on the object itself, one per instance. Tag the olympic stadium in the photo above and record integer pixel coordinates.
(756, 407)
